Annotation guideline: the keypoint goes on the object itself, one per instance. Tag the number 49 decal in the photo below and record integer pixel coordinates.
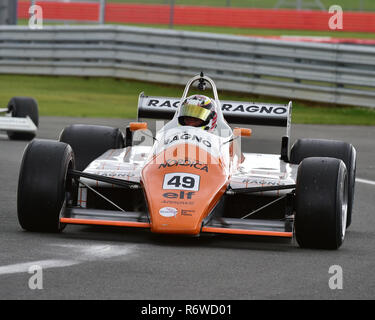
(181, 181)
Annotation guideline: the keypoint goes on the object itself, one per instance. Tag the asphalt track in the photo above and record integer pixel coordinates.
(111, 263)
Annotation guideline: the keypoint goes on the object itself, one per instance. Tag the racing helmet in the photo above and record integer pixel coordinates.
(198, 111)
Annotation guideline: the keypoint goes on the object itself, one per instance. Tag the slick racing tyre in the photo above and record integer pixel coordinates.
(44, 187)
(321, 203)
(305, 148)
(21, 107)
(89, 142)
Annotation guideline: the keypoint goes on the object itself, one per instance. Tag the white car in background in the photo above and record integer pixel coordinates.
(20, 118)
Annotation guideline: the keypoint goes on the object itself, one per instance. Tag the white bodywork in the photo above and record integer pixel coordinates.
(244, 170)
(256, 170)
(259, 170)
(8, 123)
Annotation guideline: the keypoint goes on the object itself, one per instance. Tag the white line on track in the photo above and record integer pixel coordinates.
(75, 254)
(44, 264)
(365, 181)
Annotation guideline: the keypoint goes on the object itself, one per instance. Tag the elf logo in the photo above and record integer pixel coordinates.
(183, 195)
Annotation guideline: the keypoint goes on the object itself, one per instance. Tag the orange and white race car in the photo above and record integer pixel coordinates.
(191, 177)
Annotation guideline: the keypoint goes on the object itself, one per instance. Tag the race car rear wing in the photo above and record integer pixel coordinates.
(238, 112)
(235, 112)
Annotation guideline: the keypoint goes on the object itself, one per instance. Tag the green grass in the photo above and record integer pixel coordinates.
(111, 98)
(354, 5)
(267, 32)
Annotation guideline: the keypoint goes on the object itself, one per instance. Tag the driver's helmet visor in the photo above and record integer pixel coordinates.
(194, 111)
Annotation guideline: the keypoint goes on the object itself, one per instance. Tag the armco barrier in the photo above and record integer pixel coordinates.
(331, 73)
(202, 16)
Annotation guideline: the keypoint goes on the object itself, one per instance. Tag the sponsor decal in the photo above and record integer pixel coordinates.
(263, 182)
(168, 212)
(115, 174)
(185, 212)
(181, 195)
(275, 110)
(232, 107)
(172, 212)
(178, 203)
(185, 163)
(163, 103)
(188, 137)
(181, 181)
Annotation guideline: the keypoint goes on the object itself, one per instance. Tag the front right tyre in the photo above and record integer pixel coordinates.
(44, 186)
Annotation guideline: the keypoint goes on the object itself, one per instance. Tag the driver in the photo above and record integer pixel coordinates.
(198, 111)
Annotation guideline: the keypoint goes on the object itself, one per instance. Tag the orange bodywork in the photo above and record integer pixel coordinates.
(134, 126)
(105, 222)
(248, 232)
(182, 185)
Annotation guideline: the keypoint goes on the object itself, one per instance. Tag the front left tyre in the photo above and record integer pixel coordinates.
(321, 203)
(305, 148)
(44, 186)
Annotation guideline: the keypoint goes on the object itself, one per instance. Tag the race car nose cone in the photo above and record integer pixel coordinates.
(181, 191)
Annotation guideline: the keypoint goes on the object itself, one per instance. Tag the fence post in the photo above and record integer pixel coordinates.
(8, 12)
(171, 14)
(102, 11)
(361, 7)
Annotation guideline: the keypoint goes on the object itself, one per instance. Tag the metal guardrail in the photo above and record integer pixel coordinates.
(330, 73)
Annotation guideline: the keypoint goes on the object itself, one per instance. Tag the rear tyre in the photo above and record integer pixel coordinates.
(89, 142)
(305, 148)
(21, 107)
(321, 203)
(43, 186)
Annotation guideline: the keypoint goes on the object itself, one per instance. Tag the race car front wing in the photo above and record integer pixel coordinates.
(253, 227)
(17, 124)
(121, 218)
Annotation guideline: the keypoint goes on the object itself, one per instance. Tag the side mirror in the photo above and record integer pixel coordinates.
(134, 126)
(242, 132)
(130, 129)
